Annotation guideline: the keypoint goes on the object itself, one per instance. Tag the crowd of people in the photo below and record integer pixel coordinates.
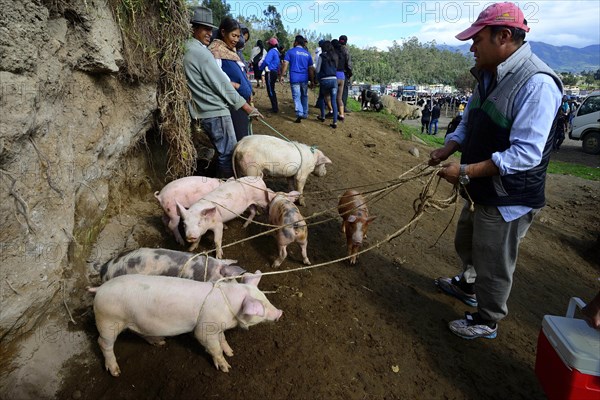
(222, 91)
(504, 157)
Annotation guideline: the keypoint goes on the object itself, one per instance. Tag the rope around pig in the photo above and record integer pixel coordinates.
(420, 205)
(400, 180)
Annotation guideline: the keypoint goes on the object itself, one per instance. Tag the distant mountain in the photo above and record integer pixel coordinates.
(559, 58)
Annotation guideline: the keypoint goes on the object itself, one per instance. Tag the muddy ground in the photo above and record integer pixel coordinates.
(377, 330)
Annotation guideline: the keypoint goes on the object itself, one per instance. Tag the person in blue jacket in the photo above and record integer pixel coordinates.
(223, 49)
(270, 66)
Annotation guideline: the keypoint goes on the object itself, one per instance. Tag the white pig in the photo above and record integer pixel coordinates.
(166, 262)
(159, 306)
(284, 213)
(221, 205)
(185, 191)
(275, 157)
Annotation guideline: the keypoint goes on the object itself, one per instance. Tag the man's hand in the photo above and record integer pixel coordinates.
(450, 172)
(255, 114)
(442, 154)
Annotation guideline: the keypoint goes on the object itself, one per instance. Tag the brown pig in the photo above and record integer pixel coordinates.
(355, 215)
(284, 213)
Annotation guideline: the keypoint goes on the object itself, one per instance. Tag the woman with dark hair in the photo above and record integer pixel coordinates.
(341, 77)
(326, 73)
(223, 49)
(257, 54)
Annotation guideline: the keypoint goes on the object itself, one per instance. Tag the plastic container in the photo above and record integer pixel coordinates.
(567, 363)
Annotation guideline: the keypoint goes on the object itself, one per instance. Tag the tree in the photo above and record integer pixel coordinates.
(465, 82)
(568, 79)
(274, 26)
(220, 10)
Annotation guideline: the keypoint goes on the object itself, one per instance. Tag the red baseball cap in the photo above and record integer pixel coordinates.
(273, 41)
(505, 14)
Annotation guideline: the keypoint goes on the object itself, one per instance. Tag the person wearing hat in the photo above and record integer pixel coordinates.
(343, 40)
(270, 66)
(505, 138)
(301, 72)
(212, 92)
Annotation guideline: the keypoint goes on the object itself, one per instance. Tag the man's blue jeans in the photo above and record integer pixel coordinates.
(434, 122)
(221, 133)
(300, 97)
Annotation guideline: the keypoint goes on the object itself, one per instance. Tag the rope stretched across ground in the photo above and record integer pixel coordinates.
(425, 201)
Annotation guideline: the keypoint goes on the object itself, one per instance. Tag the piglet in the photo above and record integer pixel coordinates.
(284, 213)
(352, 207)
(166, 262)
(185, 191)
(159, 306)
(221, 205)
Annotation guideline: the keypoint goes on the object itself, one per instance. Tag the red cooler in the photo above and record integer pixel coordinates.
(568, 357)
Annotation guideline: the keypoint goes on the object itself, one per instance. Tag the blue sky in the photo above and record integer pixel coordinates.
(379, 23)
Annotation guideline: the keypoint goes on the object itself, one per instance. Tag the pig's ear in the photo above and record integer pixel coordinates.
(231, 270)
(293, 195)
(371, 219)
(352, 218)
(253, 307)
(181, 211)
(208, 211)
(252, 279)
(322, 159)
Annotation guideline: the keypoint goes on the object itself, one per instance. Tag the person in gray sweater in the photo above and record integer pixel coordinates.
(212, 92)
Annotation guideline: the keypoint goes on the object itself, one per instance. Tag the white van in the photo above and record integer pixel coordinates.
(586, 124)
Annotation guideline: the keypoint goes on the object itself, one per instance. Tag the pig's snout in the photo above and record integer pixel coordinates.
(191, 239)
(274, 315)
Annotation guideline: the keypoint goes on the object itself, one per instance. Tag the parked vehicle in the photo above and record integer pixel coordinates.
(586, 124)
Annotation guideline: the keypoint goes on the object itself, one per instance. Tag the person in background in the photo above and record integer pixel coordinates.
(435, 117)
(318, 52)
(223, 49)
(239, 47)
(562, 124)
(425, 117)
(505, 138)
(302, 72)
(341, 77)
(343, 39)
(258, 53)
(270, 66)
(212, 93)
(326, 74)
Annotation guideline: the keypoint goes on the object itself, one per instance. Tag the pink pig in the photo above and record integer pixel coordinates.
(159, 306)
(185, 191)
(355, 215)
(221, 205)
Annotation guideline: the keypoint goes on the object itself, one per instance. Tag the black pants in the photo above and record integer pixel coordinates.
(271, 78)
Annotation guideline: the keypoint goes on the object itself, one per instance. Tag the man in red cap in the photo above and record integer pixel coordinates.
(505, 138)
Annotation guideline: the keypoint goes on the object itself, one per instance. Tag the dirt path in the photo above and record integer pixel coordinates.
(377, 330)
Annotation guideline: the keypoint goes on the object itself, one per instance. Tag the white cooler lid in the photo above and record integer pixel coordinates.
(575, 342)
